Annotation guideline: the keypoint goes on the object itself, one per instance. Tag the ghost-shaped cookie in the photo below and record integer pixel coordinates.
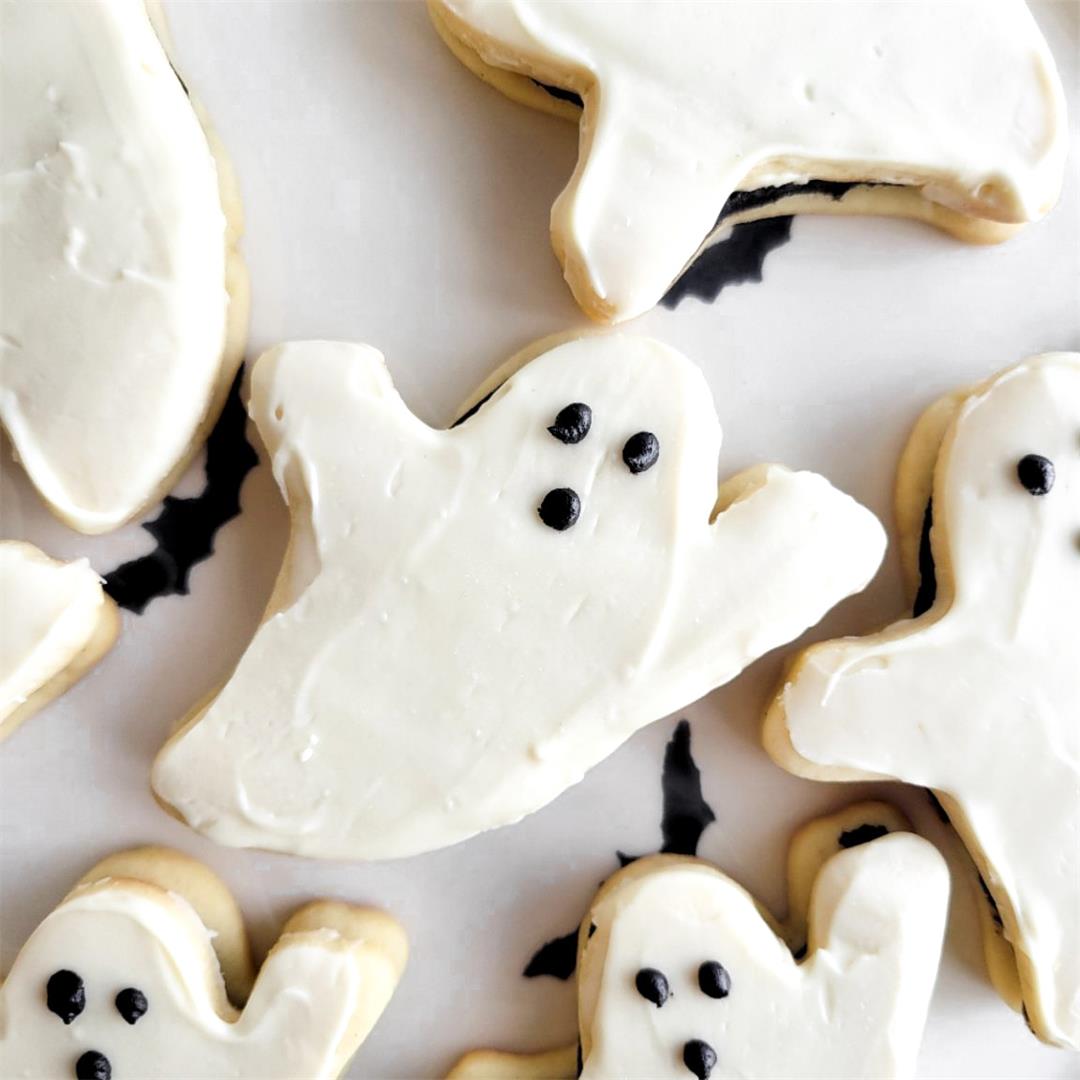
(124, 300)
(144, 971)
(978, 698)
(468, 620)
(57, 624)
(697, 114)
(683, 974)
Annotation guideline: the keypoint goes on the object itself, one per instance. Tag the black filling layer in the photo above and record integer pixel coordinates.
(686, 815)
(185, 529)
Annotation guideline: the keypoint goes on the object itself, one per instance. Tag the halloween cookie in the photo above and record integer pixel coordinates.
(683, 974)
(144, 971)
(468, 620)
(58, 623)
(699, 115)
(125, 301)
(978, 697)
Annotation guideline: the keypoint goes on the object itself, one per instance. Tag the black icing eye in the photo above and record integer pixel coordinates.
(65, 995)
(93, 1066)
(700, 1058)
(713, 979)
(131, 1004)
(560, 509)
(641, 451)
(652, 985)
(573, 423)
(1036, 473)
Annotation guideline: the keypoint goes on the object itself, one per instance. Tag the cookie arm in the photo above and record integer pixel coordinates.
(785, 548)
(634, 213)
(329, 977)
(868, 708)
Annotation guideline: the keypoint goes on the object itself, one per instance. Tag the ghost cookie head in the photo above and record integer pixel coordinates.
(121, 980)
(1007, 493)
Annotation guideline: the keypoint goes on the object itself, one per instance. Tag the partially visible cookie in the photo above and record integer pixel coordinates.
(125, 301)
(683, 974)
(468, 620)
(132, 976)
(699, 115)
(978, 697)
(57, 623)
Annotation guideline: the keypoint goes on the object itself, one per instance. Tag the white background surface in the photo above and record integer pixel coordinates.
(391, 198)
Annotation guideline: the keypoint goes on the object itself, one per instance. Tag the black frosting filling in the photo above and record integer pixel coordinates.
(686, 815)
(185, 529)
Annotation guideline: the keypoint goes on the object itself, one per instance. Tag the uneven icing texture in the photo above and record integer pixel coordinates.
(979, 699)
(437, 660)
(112, 258)
(117, 935)
(687, 102)
(854, 1008)
(50, 610)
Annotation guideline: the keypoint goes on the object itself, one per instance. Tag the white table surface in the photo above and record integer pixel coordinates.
(391, 198)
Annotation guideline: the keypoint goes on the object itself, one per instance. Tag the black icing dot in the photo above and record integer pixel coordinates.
(652, 985)
(131, 1004)
(65, 995)
(641, 451)
(700, 1058)
(573, 423)
(713, 979)
(93, 1066)
(861, 834)
(560, 509)
(1036, 473)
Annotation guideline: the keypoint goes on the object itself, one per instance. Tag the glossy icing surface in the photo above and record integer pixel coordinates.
(50, 611)
(687, 102)
(980, 698)
(113, 243)
(855, 1007)
(121, 935)
(437, 660)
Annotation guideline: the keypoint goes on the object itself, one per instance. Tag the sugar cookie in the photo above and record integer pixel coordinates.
(468, 620)
(978, 698)
(125, 300)
(697, 115)
(132, 976)
(682, 973)
(58, 623)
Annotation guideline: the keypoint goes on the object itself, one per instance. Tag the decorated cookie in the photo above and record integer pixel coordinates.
(978, 697)
(124, 299)
(57, 624)
(144, 971)
(683, 974)
(706, 114)
(468, 620)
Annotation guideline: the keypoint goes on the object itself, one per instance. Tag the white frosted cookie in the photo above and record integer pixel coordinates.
(57, 623)
(978, 698)
(468, 620)
(683, 974)
(125, 302)
(125, 979)
(697, 113)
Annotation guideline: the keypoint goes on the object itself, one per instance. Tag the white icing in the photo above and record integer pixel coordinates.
(438, 661)
(120, 934)
(50, 612)
(854, 1008)
(112, 258)
(980, 698)
(687, 102)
